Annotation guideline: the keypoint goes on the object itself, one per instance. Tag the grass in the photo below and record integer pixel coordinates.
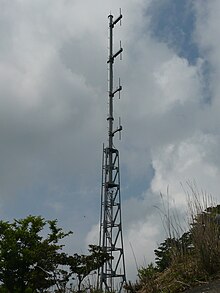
(194, 257)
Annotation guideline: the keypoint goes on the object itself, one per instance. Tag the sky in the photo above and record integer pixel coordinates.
(53, 110)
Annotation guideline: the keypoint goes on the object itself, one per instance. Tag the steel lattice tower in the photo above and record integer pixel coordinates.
(111, 277)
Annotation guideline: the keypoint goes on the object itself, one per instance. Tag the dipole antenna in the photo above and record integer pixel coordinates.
(111, 276)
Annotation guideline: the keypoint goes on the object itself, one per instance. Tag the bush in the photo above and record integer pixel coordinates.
(184, 261)
(205, 237)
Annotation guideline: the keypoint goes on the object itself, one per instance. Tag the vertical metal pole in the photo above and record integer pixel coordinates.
(110, 117)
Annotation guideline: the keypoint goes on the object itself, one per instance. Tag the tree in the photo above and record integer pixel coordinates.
(168, 250)
(27, 259)
(164, 254)
(205, 231)
(83, 265)
(202, 240)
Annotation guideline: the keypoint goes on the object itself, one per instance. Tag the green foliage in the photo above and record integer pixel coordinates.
(183, 262)
(31, 262)
(206, 239)
(168, 250)
(147, 277)
(26, 258)
(148, 273)
(3, 289)
(83, 265)
(164, 254)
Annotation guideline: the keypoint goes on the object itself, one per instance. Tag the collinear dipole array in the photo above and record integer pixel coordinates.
(111, 277)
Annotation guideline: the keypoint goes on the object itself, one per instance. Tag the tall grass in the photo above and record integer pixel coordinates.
(195, 252)
(205, 229)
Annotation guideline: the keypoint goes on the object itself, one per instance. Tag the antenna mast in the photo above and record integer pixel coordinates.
(111, 277)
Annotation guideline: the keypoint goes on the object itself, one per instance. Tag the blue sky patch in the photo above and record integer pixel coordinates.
(173, 22)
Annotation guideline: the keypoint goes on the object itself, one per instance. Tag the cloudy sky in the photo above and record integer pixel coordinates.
(53, 109)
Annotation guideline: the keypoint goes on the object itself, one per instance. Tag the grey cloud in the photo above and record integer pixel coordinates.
(53, 105)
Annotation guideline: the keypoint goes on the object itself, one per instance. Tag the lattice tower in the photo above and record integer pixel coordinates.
(111, 277)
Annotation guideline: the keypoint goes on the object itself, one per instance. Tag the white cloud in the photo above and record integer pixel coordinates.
(185, 162)
(178, 82)
(140, 242)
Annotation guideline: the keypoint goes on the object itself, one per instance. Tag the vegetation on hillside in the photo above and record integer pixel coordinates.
(188, 260)
(32, 259)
